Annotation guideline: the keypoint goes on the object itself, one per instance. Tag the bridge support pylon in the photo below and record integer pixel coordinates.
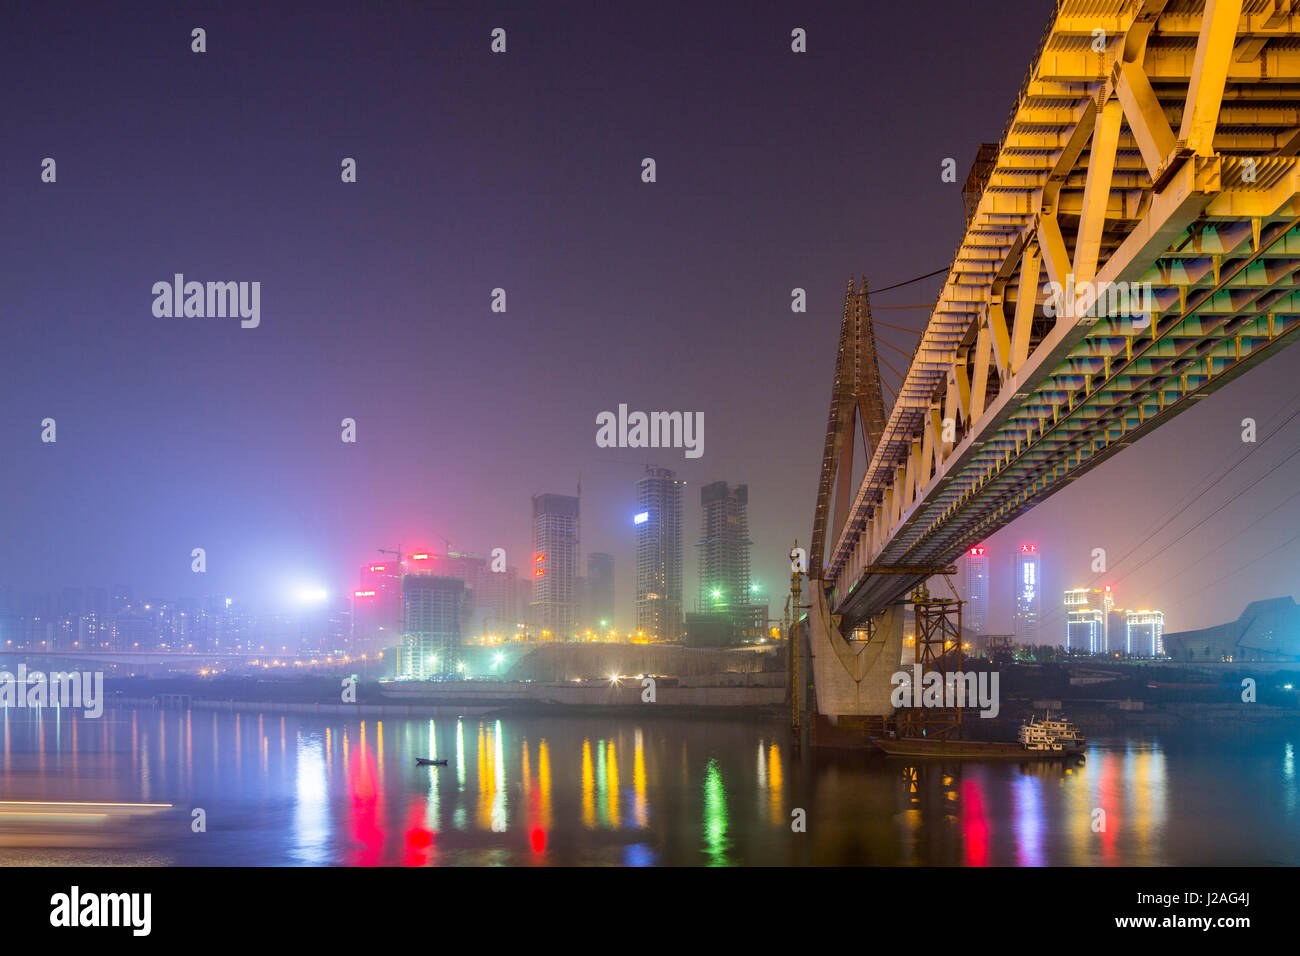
(853, 679)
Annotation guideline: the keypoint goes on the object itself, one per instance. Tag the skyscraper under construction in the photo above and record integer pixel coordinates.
(555, 566)
(723, 548)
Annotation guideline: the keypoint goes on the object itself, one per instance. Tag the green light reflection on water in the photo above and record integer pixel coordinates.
(715, 816)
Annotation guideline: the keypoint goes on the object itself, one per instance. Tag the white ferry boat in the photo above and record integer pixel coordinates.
(1055, 735)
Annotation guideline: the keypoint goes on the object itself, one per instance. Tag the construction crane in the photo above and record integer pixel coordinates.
(397, 553)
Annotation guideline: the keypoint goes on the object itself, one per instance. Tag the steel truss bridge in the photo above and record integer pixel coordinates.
(1153, 143)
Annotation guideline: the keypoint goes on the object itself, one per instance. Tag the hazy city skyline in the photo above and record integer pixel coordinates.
(176, 433)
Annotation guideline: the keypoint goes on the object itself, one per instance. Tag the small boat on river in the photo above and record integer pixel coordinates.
(1038, 740)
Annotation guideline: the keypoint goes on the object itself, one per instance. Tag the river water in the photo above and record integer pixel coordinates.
(277, 789)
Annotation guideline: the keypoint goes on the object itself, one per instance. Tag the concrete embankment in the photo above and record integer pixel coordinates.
(298, 707)
(473, 698)
(622, 695)
(574, 661)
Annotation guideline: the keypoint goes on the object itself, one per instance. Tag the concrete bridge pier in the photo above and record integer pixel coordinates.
(853, 679)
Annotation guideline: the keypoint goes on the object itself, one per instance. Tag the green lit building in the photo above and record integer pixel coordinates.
(725, 587)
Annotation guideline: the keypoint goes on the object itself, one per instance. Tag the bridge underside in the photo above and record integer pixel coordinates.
(1150, 163)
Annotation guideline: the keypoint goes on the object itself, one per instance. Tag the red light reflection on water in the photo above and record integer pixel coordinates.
(974, 824)
(418, 840)
(1110, 789)
(366, 832)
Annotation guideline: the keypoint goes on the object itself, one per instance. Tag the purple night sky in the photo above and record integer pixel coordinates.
(522, 171)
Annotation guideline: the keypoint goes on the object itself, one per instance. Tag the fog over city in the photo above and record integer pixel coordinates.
(181, 432)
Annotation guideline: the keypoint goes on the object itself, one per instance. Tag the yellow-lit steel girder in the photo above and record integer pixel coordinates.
(1152, 151)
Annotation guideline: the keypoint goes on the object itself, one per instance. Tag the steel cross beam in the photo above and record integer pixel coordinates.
(1114, 273)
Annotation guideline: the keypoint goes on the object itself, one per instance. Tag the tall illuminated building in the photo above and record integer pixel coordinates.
(555, 567)
(1027, 595)
(433, 610)
(658, 524)
(1085, 621)
(975, 615)
(1108, 607)
(1146, 634)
